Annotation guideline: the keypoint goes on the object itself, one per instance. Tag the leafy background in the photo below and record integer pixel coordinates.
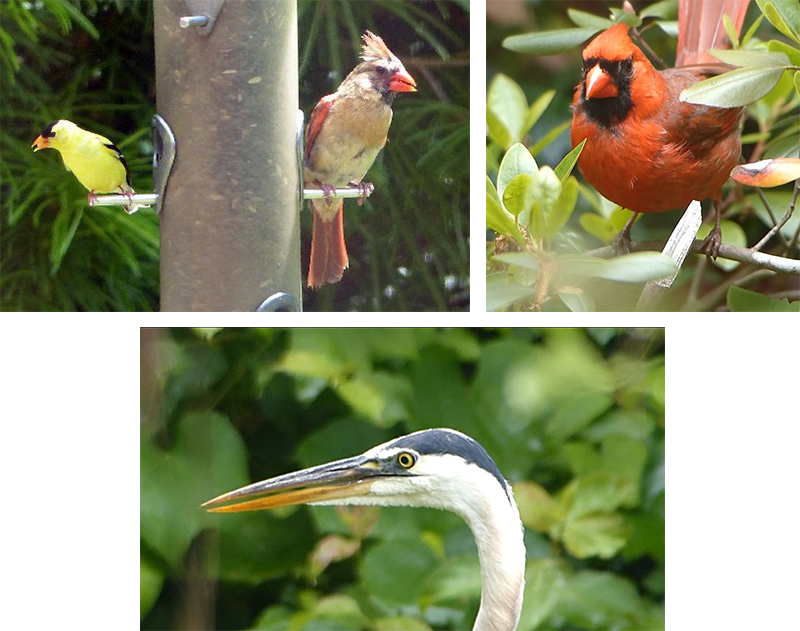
(92, 61)
(573, 418)
(529, 102)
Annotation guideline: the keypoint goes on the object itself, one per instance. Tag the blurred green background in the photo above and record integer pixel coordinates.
(92, 62)
(573, 418)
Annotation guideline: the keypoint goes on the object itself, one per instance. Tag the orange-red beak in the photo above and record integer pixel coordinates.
(40, 143)
(599, 84)
(401, 81)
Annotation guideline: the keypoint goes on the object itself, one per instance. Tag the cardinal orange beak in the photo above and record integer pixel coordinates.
(599, 84)
(40, 143)
(401, 81)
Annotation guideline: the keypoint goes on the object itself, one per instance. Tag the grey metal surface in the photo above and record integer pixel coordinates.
(229, 221)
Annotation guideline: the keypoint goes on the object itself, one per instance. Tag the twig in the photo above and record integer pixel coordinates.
(730, 252)
(719, 292)
(659, 62)
(782, 222)
(772, 217)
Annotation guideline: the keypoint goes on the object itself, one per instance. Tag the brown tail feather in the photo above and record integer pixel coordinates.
(328, 251)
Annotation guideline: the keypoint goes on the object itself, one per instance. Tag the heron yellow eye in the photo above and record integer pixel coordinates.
(406, 460)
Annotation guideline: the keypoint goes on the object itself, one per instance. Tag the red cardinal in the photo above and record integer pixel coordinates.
(346, 131)
(645, 149)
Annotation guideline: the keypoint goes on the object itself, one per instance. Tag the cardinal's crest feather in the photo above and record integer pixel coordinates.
(374, 49)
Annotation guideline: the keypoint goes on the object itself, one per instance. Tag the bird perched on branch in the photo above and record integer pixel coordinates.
(94, 160)
(345, 133)
(645, 149)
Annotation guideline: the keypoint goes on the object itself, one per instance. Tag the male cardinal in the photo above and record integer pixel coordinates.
(96, 161)
(346, 131)
(645, 149)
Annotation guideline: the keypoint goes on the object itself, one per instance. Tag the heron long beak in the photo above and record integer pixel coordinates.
(40, 143)
(336, 480)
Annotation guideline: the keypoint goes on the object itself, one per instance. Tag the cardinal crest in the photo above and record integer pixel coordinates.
(374, 49)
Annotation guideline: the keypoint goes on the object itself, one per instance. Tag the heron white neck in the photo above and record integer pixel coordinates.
(501, 549)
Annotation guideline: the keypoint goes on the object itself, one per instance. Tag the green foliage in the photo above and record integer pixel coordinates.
(535, 266)
(573, 418)
(88, 65)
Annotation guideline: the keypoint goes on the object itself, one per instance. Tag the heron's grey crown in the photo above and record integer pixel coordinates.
(448, 441)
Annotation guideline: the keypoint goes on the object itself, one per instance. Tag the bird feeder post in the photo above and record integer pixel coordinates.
(230, 209)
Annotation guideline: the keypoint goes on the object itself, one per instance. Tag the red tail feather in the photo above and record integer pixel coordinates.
(328, 252)
(701, 27)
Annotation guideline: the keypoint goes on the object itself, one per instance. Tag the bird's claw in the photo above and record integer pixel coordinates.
(328, 190)
(366, 189)
(91, 198)
(711, 244)
(621, 244)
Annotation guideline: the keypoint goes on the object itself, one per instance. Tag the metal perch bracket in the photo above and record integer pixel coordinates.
(203, 14)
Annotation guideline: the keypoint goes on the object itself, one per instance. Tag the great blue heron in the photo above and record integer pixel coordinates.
(437, 468)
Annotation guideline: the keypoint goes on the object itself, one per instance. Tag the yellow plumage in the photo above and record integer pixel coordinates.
(93, 159)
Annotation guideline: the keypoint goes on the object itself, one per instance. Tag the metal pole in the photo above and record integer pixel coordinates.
(230, 217)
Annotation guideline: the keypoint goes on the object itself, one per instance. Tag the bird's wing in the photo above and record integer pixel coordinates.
(698, 126)
(315, 121)
(114, 150)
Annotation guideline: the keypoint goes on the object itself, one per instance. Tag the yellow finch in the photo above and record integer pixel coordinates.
(96, 161)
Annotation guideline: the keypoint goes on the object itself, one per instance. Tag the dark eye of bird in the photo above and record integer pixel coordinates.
(406, 460)
(380, 69)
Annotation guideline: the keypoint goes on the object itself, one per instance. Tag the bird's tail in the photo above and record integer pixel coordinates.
(328, 251)
(126, 189)
(700, 27)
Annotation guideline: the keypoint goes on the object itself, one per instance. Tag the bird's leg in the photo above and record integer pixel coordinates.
(131, 208)
(328, 190)
(91, 198)
(710, 245)
(366, 189)
(622, 244)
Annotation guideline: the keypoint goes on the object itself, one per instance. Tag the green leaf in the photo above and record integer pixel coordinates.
(575, 299)
(568, 162)
(730, 30)
(562, 208)
(665, 10)
(638, 267)
(751, 58)
(549, 137)
(797, 82)
(598, 226)
(743, 300)
(536, 110)
(735, 88)
(751, 31)
(520, 259)
(597, 534)
(499, 296)
(548, 42)
(545, 580)
(784, 15)
(508, 107)
(777, 46)
(408, 558)
(518, 160)
(589, 20)
(498, 218)
(518, 194)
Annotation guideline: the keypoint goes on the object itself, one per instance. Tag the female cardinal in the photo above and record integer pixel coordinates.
(645, 149)
(346, 131)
